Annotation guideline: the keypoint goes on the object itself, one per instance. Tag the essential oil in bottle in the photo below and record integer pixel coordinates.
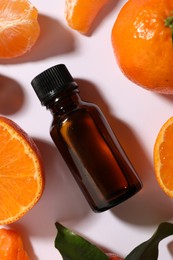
(86, 141)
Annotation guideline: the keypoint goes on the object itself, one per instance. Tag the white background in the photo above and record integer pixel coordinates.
(135, 115)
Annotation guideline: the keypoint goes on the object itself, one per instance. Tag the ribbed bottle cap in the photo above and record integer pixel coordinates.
(51, 82)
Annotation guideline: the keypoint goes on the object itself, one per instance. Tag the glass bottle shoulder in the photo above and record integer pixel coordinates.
(77, 113)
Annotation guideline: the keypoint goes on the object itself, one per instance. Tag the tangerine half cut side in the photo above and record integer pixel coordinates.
(21, 172)
(163, 157)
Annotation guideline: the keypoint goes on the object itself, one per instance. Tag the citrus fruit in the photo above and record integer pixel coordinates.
(163, 157)
(142, 43)
(21, 172)
(80, 14)
(11, 246)
(19, 27)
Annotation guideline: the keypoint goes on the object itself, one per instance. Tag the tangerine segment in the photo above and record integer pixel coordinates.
(11, 246)
(163, 157)
(142, 43)
(19, 27)
(80, 14)
(21, 178)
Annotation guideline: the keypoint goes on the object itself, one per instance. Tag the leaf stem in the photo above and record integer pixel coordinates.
(169, 23)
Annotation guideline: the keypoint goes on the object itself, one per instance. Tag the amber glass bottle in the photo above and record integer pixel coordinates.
(86, 141)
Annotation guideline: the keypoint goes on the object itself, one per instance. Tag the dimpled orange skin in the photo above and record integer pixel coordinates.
(143, 44)
(80, 14)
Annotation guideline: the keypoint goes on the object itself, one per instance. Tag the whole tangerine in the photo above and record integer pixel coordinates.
(142, 40)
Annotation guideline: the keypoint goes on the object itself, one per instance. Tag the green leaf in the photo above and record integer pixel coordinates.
(73, 247)
(149, 249)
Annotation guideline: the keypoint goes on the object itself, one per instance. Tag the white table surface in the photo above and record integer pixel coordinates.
(135, 115)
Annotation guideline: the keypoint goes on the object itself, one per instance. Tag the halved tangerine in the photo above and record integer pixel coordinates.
(21, 172)
(163, 157)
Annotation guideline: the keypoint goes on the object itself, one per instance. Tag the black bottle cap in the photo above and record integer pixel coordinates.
(52, 82)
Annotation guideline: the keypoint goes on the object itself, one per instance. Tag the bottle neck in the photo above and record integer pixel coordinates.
(65, 102)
